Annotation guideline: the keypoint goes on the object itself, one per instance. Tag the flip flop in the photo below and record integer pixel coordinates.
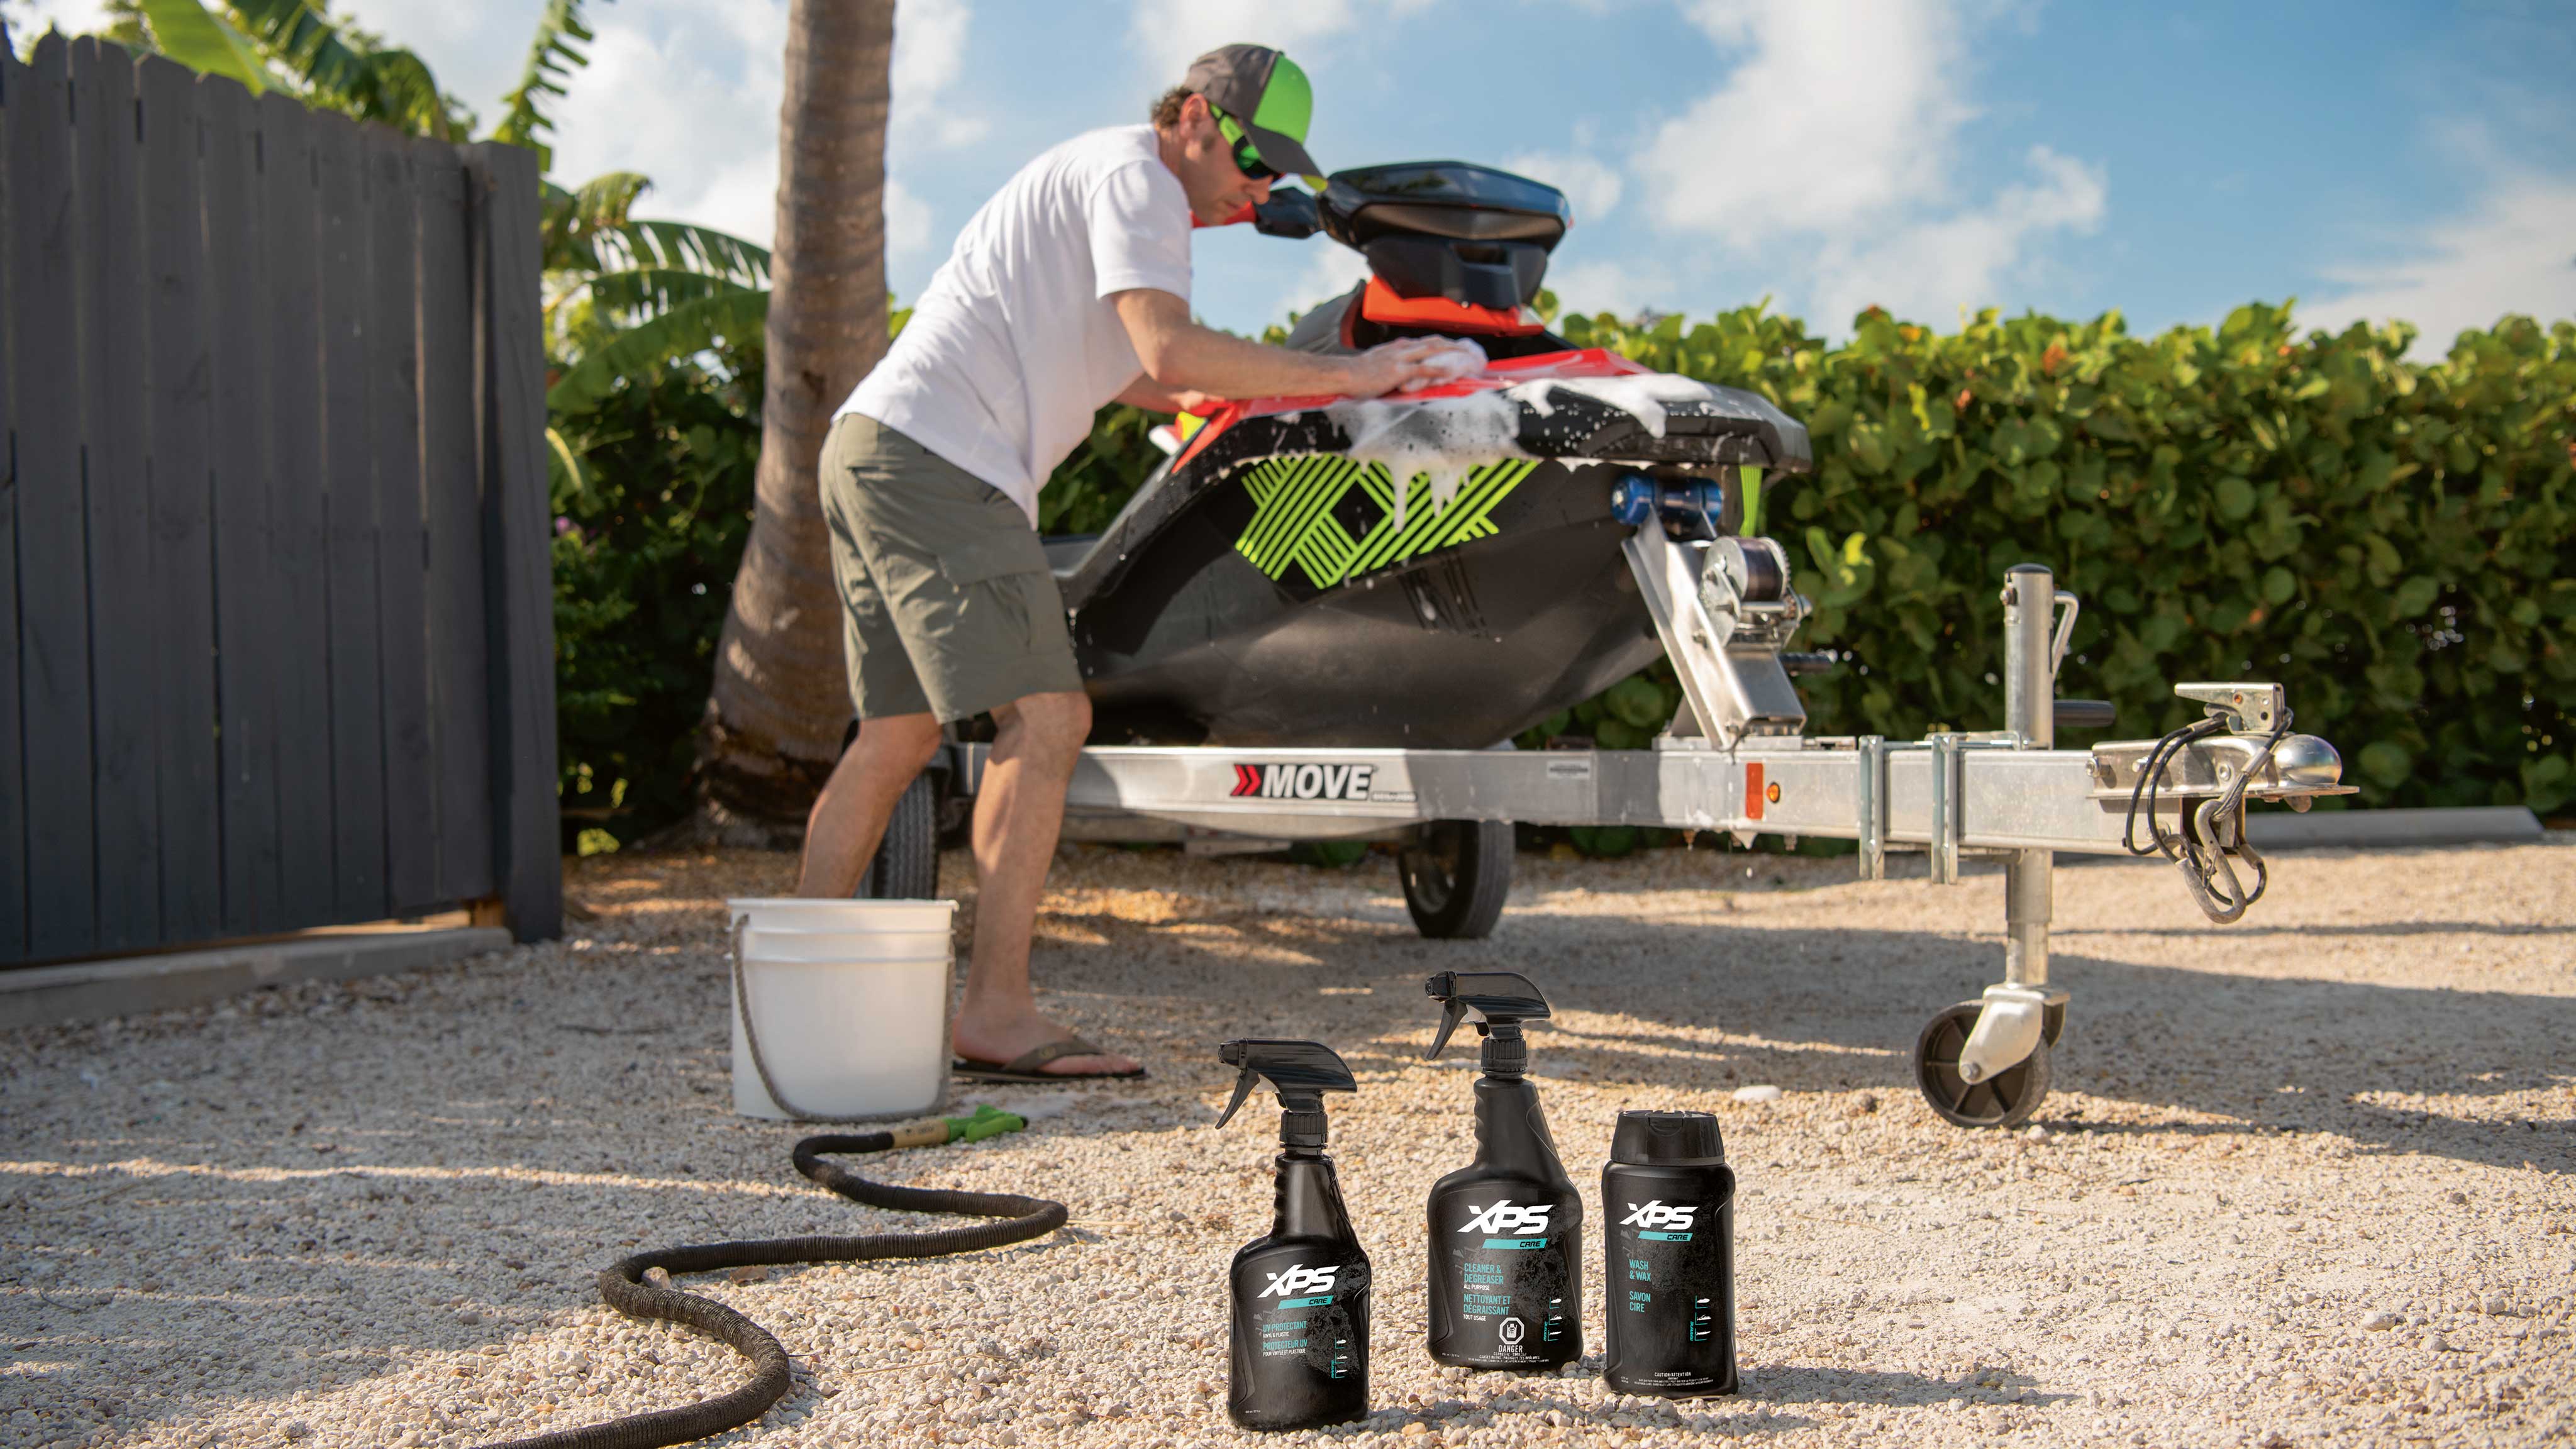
(1023, 1069)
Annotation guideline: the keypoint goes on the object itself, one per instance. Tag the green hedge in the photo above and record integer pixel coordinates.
(646, 542)
(2394, 541)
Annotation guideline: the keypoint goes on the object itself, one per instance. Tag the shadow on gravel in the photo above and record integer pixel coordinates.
(342, 1218)
(2374, 928)
(1820, 1010)
(1816, 1384)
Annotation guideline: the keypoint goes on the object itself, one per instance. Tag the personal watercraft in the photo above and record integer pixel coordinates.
(1269, 585)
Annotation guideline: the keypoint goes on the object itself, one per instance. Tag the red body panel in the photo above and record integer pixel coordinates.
(1585, 362)
(1380, 304)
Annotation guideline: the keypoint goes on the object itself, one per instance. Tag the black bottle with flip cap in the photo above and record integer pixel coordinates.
(1507, 1229)
(1300, 1292)
(1668, 1222)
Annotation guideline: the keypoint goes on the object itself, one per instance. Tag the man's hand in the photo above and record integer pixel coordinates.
(1391, 365)
(1182, 358)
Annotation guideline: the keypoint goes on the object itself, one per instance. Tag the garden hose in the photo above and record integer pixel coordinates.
(622, 1283)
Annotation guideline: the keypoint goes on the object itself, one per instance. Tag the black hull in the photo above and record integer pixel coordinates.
(1455, 648)
(1263, 591)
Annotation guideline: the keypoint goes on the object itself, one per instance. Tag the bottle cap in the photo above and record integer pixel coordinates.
(1667, 1139)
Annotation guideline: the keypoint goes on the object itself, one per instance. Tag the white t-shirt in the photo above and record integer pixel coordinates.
(1014, 344)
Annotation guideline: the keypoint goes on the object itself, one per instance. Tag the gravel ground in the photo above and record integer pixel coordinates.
(2340, 1210)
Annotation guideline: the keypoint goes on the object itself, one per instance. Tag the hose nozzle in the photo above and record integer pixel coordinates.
(987, 1121)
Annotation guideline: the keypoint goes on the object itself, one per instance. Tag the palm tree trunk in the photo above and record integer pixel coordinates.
(781, 699)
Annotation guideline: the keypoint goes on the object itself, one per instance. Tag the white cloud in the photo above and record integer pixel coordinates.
(929, 56)
(907, 221)
(687, 94)
(1172, 33)
(1591, 185)
(1930, 269)
(32, 18)
(1331, 269)
(1621, 288)
(1829, 152)
(2514, 252)
(1836, 112)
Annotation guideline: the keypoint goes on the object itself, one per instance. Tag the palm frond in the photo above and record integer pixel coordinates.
(564, 474)
(645, 351)
(572, 220)
(689, 247)
(373, 83)
(553, 53)
(638, 292)
(204, 41)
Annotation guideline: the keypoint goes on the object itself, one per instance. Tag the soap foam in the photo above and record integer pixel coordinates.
(1445, 438)
(1441, 437)
(1647, 395)
(1455, 358)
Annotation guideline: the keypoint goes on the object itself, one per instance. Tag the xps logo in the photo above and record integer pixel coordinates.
(1656, 1215)
(1298, 1281)
(1506, 1219)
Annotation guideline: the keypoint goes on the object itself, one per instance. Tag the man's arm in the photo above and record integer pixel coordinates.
(1181, 356)
(1145, 393)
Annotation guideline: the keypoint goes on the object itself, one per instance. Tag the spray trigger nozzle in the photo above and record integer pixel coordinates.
(1452, 1012)
(1502, 1000)
(1243, 1084)
(1301, 1072)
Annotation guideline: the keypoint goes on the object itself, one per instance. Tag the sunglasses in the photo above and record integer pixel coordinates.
(1246, 159)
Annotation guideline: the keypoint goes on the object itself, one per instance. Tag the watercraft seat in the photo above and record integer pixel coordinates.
(1450, 229)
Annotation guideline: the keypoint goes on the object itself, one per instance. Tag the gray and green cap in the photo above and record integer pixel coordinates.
(1265, 93)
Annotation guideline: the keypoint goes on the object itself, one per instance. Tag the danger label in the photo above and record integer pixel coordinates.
(1303, 782)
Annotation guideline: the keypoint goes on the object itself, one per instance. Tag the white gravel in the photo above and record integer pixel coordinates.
(2304, 1181)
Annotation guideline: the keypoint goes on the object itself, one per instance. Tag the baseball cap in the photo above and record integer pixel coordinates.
(1268, 96)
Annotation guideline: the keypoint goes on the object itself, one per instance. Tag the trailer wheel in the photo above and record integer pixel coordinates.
(2005, 1099)
(1457, 877)
(906, 867)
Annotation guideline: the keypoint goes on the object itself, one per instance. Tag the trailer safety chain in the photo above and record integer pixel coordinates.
(623, 1285)
(2212, 837)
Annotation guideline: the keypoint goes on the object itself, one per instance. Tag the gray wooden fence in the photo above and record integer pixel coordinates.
(276, 633)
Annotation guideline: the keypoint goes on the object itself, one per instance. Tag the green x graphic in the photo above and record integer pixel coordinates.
(1293, 521)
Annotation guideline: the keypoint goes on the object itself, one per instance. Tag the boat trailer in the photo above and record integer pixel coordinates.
(1736, 759)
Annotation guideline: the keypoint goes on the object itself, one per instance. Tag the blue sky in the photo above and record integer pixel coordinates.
(2170, 160)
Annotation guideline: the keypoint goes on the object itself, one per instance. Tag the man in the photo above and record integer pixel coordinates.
(1069, 289)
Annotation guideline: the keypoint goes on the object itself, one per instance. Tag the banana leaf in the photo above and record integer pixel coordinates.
(204, 41)
(645, 351)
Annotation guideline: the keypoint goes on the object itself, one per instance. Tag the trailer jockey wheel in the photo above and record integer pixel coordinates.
(906, 867)
(1456, 877)
(2004, 1100)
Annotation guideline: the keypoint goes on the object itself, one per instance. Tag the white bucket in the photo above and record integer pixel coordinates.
(847, 1005)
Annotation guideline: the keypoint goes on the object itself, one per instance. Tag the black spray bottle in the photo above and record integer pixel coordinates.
(1668, 1220)
(1506, 1229)
(1300, 1293)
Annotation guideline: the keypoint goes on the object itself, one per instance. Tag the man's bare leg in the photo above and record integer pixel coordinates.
(849, 818)
(1019, 809)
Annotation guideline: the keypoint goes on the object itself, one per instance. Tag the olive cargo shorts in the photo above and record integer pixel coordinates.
(947, 603)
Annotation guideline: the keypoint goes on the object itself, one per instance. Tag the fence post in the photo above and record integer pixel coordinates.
(13, 780)
(518, 544)
(53, 584)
